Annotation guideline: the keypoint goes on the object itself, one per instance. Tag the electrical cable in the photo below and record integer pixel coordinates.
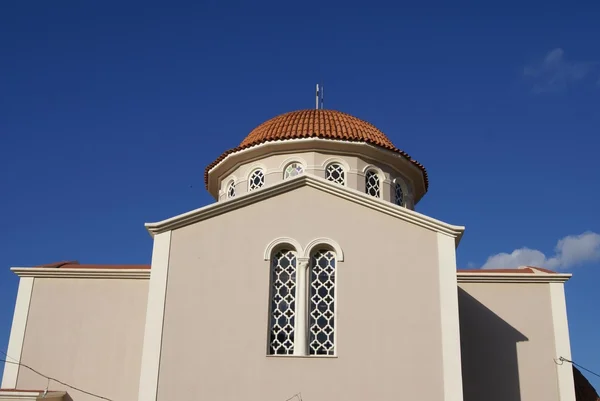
(51, 378)
(578, 365)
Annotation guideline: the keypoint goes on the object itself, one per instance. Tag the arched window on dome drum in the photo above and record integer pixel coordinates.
(321, 319)
(282, 323)
(372, 185)
(292, 170)
(398, 193)
(334, 172)
(256, 180)
(231, 190)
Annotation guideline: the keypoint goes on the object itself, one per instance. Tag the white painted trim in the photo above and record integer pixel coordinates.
(52, 272)
(451, 358)
(338, 160)
(345, 168)
(363, 150)
(32, 395)
(562, 344)
(155, 312)
(17, 332)
(280, 241)
(482, 277)
(312, 181)
(308, 250)
(301, 335)
(292, 159)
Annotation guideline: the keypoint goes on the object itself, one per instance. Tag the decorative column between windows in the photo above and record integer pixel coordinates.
(300, 346)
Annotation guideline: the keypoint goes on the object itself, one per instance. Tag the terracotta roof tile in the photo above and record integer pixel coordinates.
(324, 124)
(474, 271)
(523, 269)
(73, 264)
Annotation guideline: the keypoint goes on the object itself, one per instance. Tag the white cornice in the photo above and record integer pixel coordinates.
(321, 184)
(482, 277)
(53, 272)
(31, 395)
(333, 146)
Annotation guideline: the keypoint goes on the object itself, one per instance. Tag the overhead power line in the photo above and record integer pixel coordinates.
(52, 378)
(578, 365)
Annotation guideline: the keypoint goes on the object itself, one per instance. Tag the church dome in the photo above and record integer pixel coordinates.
(316, 123)
(325, 124)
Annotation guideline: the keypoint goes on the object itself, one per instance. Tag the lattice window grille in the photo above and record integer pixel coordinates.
(399, 194)
(283, 303)
(231, 190)
(257, 180)
(322, 303)
(293, 170)
(372, 186)
(335, 173)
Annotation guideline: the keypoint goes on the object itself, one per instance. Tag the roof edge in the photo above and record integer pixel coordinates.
(237, 149)
(353, 195)
(32, 395)
(87, 273)
(526, 274)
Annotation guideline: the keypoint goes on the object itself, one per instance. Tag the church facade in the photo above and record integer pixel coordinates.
(310, 277)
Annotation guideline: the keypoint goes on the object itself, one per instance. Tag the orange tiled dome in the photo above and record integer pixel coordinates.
(316, 123)
(326, 124)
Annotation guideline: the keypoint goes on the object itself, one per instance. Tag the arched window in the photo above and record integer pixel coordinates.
(292, 170)
(231, 190)
(335, 172)
(321, 326)
(398, 193)
(282, 325)
(372, 186)
(256, 180)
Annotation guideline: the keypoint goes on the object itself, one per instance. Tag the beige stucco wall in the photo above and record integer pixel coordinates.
(88, 333)
(389, 341)
(315, 163)
(507, 342)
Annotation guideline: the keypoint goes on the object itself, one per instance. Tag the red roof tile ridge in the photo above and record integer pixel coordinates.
(76, 265)
(520, 269)
(541, 269)
(479, 271)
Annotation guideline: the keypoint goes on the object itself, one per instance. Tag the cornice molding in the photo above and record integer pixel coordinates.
(321, 184)
(332, 146)
(52, 272)
(528, 278)
(31, 395)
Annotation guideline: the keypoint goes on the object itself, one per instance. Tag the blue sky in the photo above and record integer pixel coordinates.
(109, 112)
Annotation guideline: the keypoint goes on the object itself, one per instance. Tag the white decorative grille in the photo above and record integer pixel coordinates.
(372, 183)
(322, 303)
(292, 170)
(283, 303)
(399, 198)
(257, 180)
(335, 172)
(231, 190)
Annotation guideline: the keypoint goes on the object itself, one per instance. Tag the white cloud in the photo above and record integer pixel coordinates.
(569, 252)
(555, 73)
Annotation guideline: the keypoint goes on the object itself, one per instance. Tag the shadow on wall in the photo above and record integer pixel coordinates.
(489, 353)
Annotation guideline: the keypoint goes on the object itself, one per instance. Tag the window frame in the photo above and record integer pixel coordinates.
(373, 171)
(399, 183)
(250, 179)
(286, 177)
(342, 168)
(303, 302)
(309, 304)
(230, 184)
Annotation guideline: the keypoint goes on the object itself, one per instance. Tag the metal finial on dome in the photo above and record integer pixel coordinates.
(319, 98)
